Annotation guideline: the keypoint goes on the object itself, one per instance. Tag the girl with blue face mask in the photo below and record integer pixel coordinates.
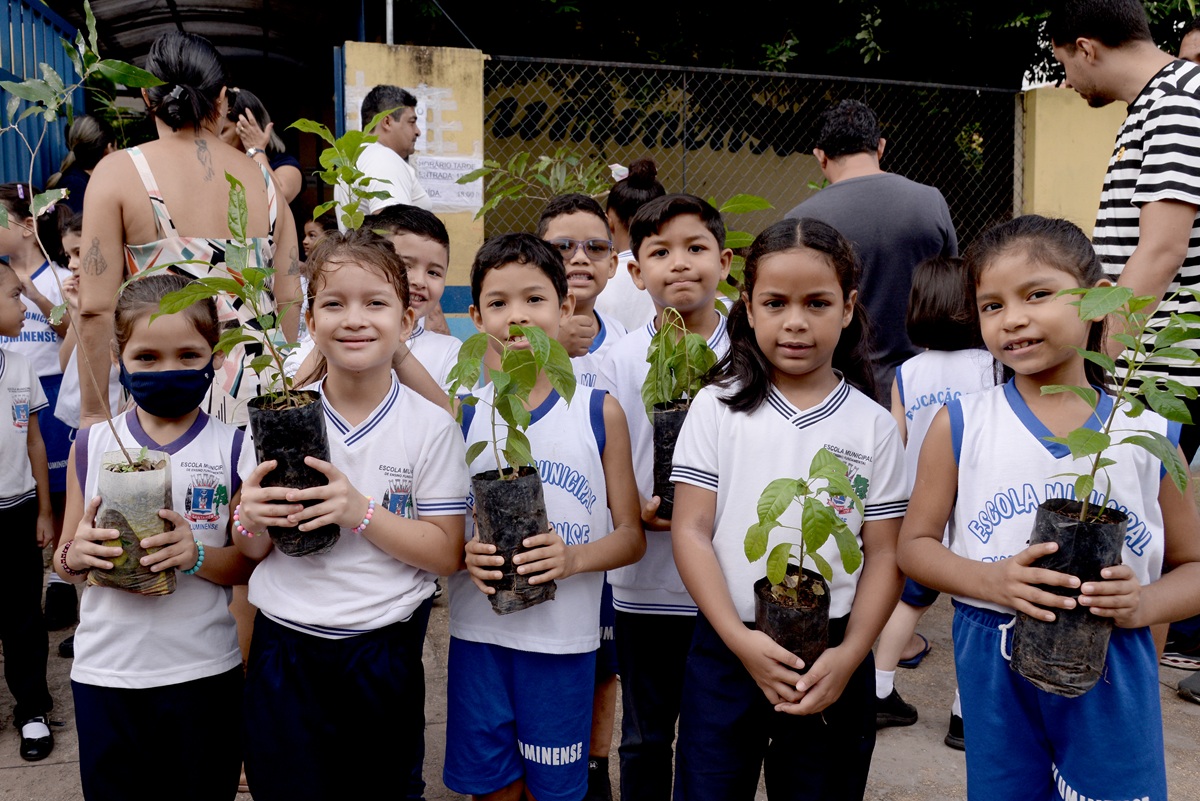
(165, 669)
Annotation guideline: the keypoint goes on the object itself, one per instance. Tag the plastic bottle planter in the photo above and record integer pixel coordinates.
(287, 436)
(1066, 657)
(668, 420)
(507, 511)
(131, 501)
(803, 630)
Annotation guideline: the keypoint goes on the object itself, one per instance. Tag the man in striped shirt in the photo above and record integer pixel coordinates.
(1147, 232)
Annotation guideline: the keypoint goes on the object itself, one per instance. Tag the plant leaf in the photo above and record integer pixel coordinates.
(1101, 301)
(516, 450)
(126, 74)
(1085, 442)
(1086, 394)
(476, 449)
(1103, 359)
(180, 299)
(313, 127)
(740, 204)
(757, 537)
(777, 562)
(775, 498)
(738, 239)
(559, 371)
(467, 369)
(1184, 354)
(1083, 487)
(238, 216)
(230, 339)
(817, 522)
(33, 90)
(1166, 451)
(1169, 406)
(822, 566)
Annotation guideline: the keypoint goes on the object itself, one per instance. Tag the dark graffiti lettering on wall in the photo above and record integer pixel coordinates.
(744, 123)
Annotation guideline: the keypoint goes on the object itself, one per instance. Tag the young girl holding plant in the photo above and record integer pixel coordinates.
(335, 689)
(797, 324)
(160, 675)
(988, 451)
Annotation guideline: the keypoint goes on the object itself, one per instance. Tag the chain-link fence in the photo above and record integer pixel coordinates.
(717, 133)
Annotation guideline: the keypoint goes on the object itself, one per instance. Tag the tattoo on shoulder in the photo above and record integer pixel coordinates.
(93, 260)
(204, 156)
(293, 262)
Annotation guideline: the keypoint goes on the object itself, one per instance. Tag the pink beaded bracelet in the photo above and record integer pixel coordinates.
(361, 527)
(237, 523)
(62, 560)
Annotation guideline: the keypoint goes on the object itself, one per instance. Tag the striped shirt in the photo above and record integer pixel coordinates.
(1156, 157)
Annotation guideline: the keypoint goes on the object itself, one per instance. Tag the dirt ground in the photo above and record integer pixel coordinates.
(910, 763)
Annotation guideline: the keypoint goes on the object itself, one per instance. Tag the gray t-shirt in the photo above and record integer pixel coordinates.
(894, 224)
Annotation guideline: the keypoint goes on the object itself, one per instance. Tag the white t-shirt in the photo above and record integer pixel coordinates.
(436, 352)
(567, 441)
(622, 300)
(407, 454)
(37, 340)
(736, 455)
(69, 406)
(651, 585)
(587, 366)
(391, 174)
(22, 396)
(930, 380)
(134, 641)
(1006, 469)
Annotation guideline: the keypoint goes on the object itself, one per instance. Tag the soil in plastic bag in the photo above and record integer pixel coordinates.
(801, 629)
(1066, 657)
(668, 419)
(287, 436)
(507, 511)
(130, 504)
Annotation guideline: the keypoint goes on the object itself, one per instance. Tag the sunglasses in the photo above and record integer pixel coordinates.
(594, 249)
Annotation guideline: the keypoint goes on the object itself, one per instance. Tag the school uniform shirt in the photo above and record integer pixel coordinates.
(408, 455)
(567, 442)
(132, 641)
(68, 408)
(1006, 469)
(22, 395)
(437, 353)
(622, 301)
(37, 340)
(931, 379)
(587, 366)
(652, 585)
(736, 455)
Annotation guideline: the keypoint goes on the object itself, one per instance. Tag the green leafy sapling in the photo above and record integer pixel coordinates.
(50, 98)
(818, 522)
(340, 160)
(539, 179)
(679, 363)
(512, 385)
(731, 285)
(1135, 389)
(252, 287)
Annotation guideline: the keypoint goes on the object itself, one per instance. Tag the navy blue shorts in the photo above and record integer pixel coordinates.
(518, 714)
(333, 718)
(606, 655)
(1026, 743)
(187, 735)
(728, 732)
(917, 594)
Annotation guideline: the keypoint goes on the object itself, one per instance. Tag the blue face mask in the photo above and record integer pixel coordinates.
(169, 394)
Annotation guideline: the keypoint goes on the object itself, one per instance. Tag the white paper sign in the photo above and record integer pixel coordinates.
(439, 176)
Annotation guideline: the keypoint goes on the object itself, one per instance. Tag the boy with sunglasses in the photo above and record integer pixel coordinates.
(576, 227)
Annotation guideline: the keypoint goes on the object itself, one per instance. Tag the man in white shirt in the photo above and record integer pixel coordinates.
(386, 160)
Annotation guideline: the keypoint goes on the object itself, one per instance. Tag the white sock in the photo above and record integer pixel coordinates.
(35, 730)
(885, 682)
(956, 709)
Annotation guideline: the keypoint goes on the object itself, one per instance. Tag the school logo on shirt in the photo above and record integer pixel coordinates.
(855, 462)
(204, 498)
(19, 400)
(397, 499)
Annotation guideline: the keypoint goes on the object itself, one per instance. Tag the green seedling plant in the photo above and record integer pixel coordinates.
(538, 179)
(679, 363)
(50, 98)
(818, 522)
(731, 286)
(512, 383)
(340, 162)
(1133, 391)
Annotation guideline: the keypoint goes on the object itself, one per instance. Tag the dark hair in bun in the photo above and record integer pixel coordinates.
(634, 190)
(192, 75)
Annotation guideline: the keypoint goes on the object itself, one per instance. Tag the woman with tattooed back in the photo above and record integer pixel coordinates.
(166, 202)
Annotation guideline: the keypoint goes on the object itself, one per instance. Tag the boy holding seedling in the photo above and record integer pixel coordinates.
(520, 685)
(576, 227)
(678, 244)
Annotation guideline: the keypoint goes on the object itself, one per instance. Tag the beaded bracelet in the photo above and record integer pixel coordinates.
(62, 560)
(237, 523)
(199, 559)
(361, 527)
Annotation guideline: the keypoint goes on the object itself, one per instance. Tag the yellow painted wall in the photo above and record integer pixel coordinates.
(1067, 148)
(453, 79)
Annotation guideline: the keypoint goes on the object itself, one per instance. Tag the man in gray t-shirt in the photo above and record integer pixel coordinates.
(894, 224)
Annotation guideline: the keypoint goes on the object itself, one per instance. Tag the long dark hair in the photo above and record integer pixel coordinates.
(17, 198)
(744, 366)
(192, 73)
(1054, 243)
